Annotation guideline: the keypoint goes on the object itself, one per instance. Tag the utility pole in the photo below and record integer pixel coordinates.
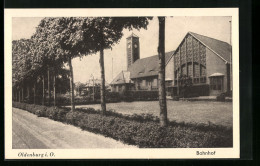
(93, 87)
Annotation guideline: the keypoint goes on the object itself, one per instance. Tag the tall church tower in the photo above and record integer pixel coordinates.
(132, 49)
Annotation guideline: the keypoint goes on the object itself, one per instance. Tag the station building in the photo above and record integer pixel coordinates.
(205, 60)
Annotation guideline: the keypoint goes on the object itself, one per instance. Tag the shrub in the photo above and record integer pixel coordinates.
(228, 94)
(51, 113)
(40, 110)
(194, 90)
(74, 117)
(142, 95)
(23, 106)
(61, 114)
(113, 97)
(221, 97)
(30, 108)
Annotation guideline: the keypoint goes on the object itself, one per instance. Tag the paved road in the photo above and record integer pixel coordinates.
(32, 132)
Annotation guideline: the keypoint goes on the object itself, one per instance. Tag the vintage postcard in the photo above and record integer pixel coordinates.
(121, 83)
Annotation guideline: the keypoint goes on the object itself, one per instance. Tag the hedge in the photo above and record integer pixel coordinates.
(222, 96)
(135, 95)
(192, 91)
(111, 97)
(141, 130)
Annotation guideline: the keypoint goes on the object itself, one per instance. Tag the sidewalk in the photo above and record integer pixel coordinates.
(32, 132)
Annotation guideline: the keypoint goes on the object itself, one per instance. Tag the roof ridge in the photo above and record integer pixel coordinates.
(222, 55)
(208, 37)
(156, 55)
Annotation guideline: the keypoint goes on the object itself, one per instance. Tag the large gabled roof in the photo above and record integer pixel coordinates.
(147, 67)
(122, 78)
(222, 49)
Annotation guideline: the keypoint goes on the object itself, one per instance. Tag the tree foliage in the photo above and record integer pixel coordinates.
(21, 60)
(100, 33)
(185, 85)
(58, 40)
(105, 32)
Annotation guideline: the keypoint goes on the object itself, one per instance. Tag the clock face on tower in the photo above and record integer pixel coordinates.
(135, 45)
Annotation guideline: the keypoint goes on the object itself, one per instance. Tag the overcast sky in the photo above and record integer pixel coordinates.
(176, 29)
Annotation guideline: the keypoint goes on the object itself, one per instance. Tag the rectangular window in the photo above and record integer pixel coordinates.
(139, 84)
(143, 83)
(183, 70)
(203, 71)
(196, 70)
(155, 82)
(148, 82)
(179, 72)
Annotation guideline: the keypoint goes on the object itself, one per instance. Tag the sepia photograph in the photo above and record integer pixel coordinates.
(150, 84)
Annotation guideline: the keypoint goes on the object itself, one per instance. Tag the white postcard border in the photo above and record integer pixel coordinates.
(144, 153)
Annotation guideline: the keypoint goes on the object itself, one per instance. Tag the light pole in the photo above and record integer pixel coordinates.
(93, 87)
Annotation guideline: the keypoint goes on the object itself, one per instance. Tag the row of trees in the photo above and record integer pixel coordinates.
(59, 40)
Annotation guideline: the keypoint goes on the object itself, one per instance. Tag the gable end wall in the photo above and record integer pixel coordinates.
(169, 69)
(215, 65)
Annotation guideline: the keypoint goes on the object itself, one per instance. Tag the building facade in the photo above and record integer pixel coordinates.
(204, 60)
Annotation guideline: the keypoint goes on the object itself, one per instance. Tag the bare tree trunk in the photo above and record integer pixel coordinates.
(161, 76)
(19, 96)
(22, 94)
(71, 86)
(28, 93)
(49, 87)
(103, 88)
(54, 88)
(14, 95)
(34, 92)
(43, 91)
(93, 90)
